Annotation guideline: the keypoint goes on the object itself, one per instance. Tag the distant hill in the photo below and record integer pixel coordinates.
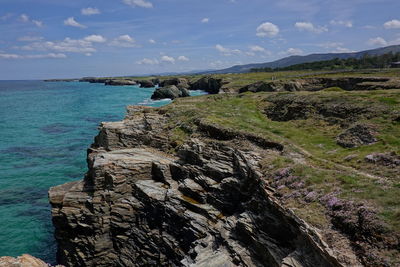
(293, 60)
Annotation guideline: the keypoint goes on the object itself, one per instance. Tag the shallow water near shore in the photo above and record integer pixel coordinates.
(45, 129)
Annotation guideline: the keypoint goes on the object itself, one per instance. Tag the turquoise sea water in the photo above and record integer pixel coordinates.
(45, 129)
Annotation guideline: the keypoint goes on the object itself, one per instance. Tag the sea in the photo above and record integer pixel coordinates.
(45, 129)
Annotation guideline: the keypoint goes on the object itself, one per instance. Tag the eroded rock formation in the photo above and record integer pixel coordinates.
(170, 91)
(209, 84)
(206, 204)
(317, 84)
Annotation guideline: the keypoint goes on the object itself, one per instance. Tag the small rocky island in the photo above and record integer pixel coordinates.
(298, 173)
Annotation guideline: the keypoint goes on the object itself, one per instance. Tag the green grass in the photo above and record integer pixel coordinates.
(245, 113)
(333, 89)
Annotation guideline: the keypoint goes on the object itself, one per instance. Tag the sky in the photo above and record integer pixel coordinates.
(42, 39)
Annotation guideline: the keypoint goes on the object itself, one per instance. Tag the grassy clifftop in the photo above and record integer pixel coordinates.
(340, 166)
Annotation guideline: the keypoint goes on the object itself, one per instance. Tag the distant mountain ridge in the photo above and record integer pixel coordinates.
(293, 60)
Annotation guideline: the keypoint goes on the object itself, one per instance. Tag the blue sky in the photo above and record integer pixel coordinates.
(67, 38)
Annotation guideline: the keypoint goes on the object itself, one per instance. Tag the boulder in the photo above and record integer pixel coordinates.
(257, 87)
(145, 83)
(355, 136)
(170, 91)
(155, 81)
(181, 83)
(384, 159)
(209, 84)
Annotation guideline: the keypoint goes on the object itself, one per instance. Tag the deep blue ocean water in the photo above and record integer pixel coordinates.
(45, 128)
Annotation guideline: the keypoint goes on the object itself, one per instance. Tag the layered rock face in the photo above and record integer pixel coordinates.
(204, 205)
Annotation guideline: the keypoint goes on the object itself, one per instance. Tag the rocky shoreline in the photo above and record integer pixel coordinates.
(166, 189)
(206, 205)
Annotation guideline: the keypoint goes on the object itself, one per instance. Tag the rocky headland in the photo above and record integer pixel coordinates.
(205, 205)
(238, 180)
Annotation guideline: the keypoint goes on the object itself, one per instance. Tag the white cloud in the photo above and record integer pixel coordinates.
(345, 23)
(152, 41)
(139, 3)
(291, 52)
(205, 20)
(330, 45)
(6, 16)
(227, 51)
(37, 23)
(67, 45)
(164, 59)
(342, 50)
(308, 26)
(124, 41)
(294, 51)
(167, 59)
(95, 38)
(10, 56)
(216, 64)
(393, 24)
(335, 47)
(378, 41)
(50, 55)
(267, 29)
(24, 18)
(256, 48)
(29, 38)
(183, 58)
(72, 22)
(147, 61)
(90, 11)
(39, 56)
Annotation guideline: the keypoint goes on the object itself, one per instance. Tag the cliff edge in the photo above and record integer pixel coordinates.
(187, 185)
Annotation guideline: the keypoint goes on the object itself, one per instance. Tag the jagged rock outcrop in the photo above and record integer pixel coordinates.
(287, 107)
(357, 135)
(391, 160)
(209, 84)
(120, 82)
(317, 84)
(145, 83)
(23, 261)
(156, 81)
(170, 91)
(272, 87)
(205, 205)
(181, 83)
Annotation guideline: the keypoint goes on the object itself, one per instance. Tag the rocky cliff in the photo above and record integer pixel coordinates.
(148, 200)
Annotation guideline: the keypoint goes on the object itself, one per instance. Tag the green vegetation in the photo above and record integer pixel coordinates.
(327, 166)
(333, 89)
(366, 62)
